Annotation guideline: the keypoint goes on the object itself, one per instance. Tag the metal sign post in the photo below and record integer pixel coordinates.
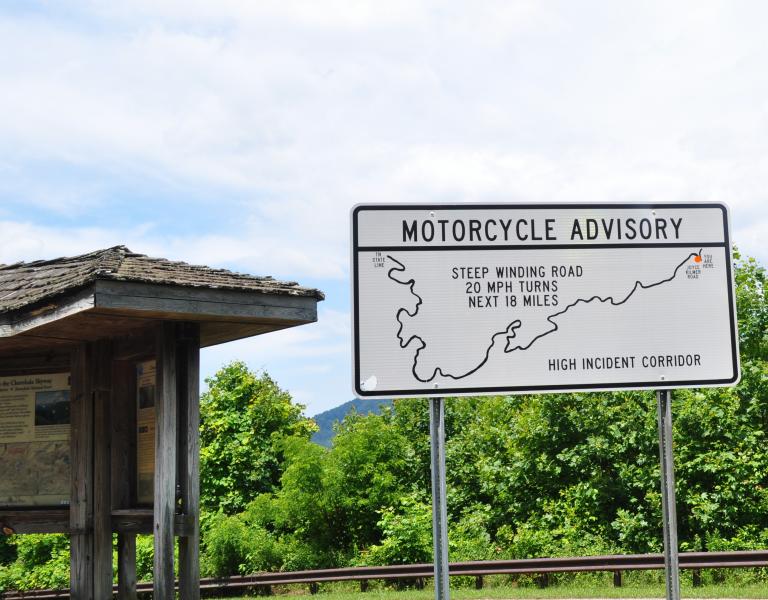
(439, 505)
(671, 565)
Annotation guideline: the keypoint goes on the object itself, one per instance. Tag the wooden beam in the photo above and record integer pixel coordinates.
(81, 452)
(46, 312)
(133, 520)
(26, 344)
(141, 520)
(42, 362)
(124, 470)
(165, 462)
(102, 505)
(87, 326)
(189, 458)
(177, 302)
(36, 521)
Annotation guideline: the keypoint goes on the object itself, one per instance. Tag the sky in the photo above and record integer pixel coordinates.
(238, 134)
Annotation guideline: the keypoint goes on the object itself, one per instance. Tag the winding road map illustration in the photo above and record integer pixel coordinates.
(545, 298)
(508, 335)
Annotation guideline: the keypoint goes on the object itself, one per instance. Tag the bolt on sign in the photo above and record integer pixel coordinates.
(468, 299)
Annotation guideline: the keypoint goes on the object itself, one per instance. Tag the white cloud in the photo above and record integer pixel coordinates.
(249, 250)
(291, 112)
(24, 241)
(303, 109)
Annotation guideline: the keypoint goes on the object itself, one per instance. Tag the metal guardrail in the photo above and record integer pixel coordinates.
(478, 569)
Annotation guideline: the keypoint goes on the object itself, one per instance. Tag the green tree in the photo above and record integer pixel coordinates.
(369, 467)
(751, 307)
(244, 417)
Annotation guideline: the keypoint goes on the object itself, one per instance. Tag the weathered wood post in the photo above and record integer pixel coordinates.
(102, 456)
(81, 452)
(189, 459)
(165, 462)
(124, 469)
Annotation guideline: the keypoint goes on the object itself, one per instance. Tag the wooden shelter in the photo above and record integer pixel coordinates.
(96, 317)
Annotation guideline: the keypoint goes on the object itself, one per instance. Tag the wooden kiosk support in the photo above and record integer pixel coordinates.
(96, 317)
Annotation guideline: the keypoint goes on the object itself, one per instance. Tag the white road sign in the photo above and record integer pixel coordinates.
(467, 299)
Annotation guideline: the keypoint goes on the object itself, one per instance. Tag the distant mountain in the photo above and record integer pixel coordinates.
(325, 420)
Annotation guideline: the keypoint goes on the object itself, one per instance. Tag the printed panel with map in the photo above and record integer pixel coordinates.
(34, 440)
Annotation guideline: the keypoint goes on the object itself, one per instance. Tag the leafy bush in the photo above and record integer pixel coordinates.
(469, 538)
(406, 534)
(145, 553)
(42, 561)
(298, 555)
(232, 546)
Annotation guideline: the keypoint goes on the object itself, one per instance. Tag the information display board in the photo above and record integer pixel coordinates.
(467, 299)
(34, 440)
(145, 432)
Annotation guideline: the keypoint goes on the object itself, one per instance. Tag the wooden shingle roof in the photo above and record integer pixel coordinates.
(116, 293)
(27, 283)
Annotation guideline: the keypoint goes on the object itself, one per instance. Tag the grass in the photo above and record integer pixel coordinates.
(571, 589)
(513, 593)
